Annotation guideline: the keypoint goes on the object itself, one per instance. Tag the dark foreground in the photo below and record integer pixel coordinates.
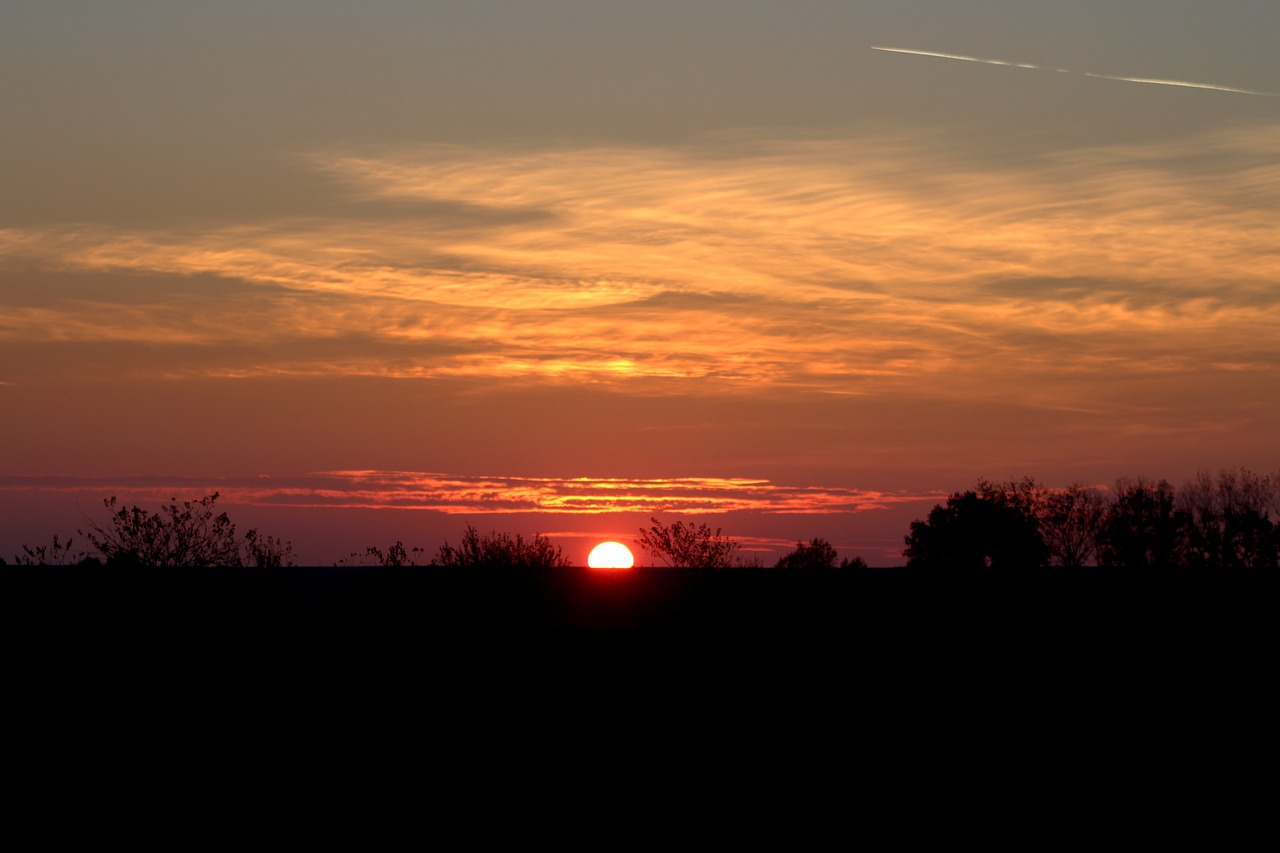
(864, 612)
(1109, 685)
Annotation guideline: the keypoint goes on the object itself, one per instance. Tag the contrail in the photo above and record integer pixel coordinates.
(1183, 83)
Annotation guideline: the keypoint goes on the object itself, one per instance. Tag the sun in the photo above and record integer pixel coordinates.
(610, 555)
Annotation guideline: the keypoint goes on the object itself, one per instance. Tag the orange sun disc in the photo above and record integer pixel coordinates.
(610, 555)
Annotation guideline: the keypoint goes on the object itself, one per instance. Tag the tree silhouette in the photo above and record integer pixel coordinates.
(499, 549)
(687, 546)
(815, 554)
(1226, 522)
(1141, 526)
(1025, 496)
(975, 531)
(1067, 521)
(1070, 521)
(183, 535)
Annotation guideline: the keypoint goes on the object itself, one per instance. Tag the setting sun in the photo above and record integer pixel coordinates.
(610, 555)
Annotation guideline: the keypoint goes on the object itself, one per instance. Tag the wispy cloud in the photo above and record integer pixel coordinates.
(484, 495)
(1151, 80)
(838, 265)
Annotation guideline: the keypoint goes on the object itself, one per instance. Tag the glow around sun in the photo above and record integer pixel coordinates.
(610, 555)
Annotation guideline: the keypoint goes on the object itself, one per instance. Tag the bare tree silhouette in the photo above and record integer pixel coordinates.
(685, 545)
(1226, 522)
(1070, 520)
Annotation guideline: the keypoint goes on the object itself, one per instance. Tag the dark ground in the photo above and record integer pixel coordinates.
(863, 613)
(1065, 698)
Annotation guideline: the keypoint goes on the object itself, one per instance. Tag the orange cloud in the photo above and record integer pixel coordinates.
(470, 495)
(843, 266)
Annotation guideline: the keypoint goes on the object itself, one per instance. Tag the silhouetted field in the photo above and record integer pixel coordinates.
(886, 668)
(875, 608)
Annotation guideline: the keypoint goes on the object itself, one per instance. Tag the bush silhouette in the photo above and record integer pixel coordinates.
(684, 545)
(57, 553)
(815, 554)
(499, 549)
(395, 556)
(186, 535)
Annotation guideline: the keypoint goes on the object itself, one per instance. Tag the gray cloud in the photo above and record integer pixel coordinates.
(195, 191)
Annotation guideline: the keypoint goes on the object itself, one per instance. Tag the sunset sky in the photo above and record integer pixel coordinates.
(376, 270)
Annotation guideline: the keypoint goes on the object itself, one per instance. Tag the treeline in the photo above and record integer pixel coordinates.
(1227, 521)
(192, 534)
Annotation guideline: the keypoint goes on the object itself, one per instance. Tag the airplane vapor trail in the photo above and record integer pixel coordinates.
(1183, 83)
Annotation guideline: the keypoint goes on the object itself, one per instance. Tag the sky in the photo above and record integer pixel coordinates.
(375, 271)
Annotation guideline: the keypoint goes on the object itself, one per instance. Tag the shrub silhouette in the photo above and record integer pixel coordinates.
(685, 545)
(499, 549)
(815, 554)
(57, 553)
(396, 556)
(186, 535)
